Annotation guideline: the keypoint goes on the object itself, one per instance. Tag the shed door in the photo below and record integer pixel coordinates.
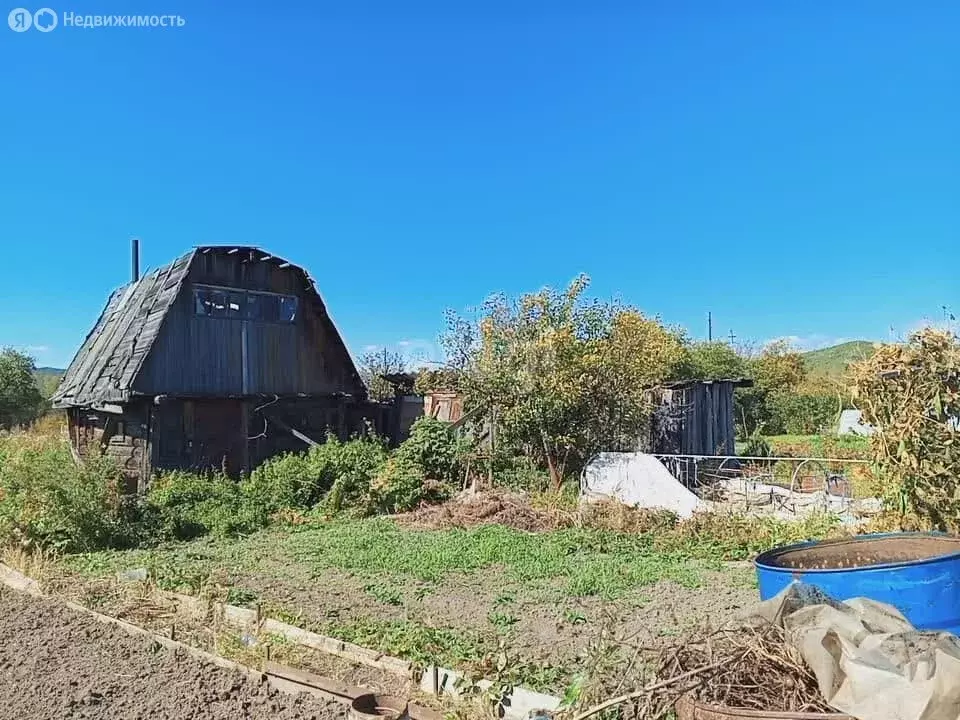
(216, 434)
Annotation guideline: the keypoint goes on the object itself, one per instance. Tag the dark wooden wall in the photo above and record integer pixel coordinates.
(239, 434)
(197, 355)
(123, 438)
(695, 419)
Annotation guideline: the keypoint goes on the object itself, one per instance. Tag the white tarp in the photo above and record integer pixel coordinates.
(638, 480)
(869, 661)
(851, 423)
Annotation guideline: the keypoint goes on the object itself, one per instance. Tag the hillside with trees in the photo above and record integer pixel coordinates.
(833, 362)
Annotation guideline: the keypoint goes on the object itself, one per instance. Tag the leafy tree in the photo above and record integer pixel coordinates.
(564, 377)
(20, 399)
(374, 365)
(47, 383)
(713, 361)
(800, 413)
(778, 367)
(777, 370)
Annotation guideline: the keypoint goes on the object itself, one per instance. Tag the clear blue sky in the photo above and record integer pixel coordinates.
(793, 167)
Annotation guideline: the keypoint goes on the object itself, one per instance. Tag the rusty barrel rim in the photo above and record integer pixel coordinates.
(767, 560)
(376, 706)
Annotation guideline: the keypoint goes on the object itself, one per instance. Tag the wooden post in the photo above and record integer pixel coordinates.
(493, 446)
(245, 436)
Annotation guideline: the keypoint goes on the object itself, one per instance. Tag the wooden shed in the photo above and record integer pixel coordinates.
(221, 359)
(695, 417)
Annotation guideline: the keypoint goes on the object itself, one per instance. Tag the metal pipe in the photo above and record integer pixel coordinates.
(134, 259)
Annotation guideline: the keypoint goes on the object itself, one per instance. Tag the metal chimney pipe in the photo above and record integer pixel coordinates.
(134, 259)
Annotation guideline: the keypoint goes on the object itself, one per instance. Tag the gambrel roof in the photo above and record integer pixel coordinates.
(106, 366)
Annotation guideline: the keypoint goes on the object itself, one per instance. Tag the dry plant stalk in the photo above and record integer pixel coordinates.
(910, 393)
(746, 666)
(763, 672)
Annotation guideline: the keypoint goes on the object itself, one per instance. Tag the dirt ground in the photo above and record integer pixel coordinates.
(334, 580)
(57, 663)
(549, 627)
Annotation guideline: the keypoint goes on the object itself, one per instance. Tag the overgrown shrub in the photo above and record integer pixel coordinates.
(47, 501)
(739, 537)
(520, 473)
(289, 481)
(801, 413)
(185, 505)
(427, 468)
(436, 450)
(352, 467)
(757, 447)
(401, 486)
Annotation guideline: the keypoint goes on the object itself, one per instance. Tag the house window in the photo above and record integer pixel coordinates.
(217, 302)
(244, 304)
(271, 308)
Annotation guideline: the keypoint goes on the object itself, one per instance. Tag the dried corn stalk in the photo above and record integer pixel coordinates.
(911, 394)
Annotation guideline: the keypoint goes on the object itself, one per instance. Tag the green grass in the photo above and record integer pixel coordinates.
(815, 445)
(407, 639)
(587, 562)
(572, 562)
(425, 645)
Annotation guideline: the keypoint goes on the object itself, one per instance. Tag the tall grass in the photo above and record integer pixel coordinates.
(48, 501)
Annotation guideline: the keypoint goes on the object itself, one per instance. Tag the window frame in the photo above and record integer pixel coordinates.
(244, 313)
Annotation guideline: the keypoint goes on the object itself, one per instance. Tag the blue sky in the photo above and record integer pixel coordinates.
(792, 167)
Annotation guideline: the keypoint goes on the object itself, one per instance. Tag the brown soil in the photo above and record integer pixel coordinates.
(55, 662)
(864, 552)
(495, 507)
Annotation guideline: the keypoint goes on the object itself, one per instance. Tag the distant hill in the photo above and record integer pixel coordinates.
(832, 361)
(48, 378)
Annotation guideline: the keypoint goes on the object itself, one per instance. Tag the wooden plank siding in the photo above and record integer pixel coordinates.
(696, 418)
(225, 356)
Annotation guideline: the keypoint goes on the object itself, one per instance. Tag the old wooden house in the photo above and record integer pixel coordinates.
(695, 417)
(221, 359)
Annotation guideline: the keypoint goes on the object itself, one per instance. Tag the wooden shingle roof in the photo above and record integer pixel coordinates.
(104, 368)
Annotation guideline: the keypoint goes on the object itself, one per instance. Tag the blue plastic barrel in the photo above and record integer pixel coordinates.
(918, 573)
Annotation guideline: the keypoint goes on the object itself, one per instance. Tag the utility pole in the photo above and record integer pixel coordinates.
(732, 338)
(709, 326)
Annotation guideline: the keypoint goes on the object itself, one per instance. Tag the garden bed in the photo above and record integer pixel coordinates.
(57, 662)
(441, 596)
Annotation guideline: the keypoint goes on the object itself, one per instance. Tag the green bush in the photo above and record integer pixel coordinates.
(47, 501)
(336, 475)
(435, 449)
(519, 473)
(427, 468)
(801, 413)
(287, 481)
(184, 505)
(756, 446)
(351, 467)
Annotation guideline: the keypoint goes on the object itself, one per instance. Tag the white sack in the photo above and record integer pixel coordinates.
(638, 480)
